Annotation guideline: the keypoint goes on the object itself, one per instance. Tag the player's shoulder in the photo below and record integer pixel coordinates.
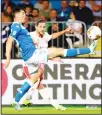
(15, 24)
(33, 33)
(46, 33)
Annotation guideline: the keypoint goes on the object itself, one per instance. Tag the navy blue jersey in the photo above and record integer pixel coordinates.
(23, 39)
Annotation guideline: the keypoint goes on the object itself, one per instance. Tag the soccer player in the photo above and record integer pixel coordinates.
(41, 41)
(33, 56)
(41, 38)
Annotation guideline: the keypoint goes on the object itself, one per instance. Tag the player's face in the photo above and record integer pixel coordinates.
(20, 16)
(64, 4)
(35, 13)
(45, 4)
(41, 28)
(82, 4)
(53, 14)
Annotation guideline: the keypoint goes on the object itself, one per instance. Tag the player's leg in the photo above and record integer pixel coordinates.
(28, 96)
(38, 57)
(54, 52)
(27, 99)
(44, 92)
(57, 59)
(25, 87)
(30, 93)
(78, 43)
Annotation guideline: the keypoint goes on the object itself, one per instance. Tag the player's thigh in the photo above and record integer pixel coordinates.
(36, 75)
(54, 52)
(33, 70)
(39, 56)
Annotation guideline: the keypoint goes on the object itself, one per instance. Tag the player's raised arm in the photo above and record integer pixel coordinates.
(8, 50)
(57, 34)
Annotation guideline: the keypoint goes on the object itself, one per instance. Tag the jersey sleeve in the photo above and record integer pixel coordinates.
(15, 29)
(48, 37)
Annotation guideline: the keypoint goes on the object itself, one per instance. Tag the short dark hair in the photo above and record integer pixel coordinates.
(45, 1)
(53, 9)
(39, 21)
(28, 6)
(17, 10)
(36, 9)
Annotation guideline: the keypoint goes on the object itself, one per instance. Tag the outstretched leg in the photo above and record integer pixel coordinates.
(54, 52)
(46, 95)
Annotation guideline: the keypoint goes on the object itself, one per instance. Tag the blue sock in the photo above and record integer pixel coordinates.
(77, 51)
(25, 87)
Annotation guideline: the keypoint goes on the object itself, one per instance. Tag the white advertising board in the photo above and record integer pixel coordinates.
(75, 81)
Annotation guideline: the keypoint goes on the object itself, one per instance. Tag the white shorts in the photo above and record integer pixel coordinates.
(39, 56)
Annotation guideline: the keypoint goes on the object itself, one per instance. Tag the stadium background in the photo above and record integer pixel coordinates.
(34, 109)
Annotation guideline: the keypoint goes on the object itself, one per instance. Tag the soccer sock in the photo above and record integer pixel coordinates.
(76, 51)
(29, 94)
(24, 88)
(46, 95)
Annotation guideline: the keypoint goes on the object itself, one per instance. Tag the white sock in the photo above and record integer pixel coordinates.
(46, 95)
(29, 94)
(29, 82)
(65, 52)
(53, 103)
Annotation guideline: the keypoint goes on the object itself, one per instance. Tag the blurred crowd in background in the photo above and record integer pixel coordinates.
(52, 11)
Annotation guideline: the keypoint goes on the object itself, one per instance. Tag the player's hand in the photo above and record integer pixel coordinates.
(6, 64)
(69, 30)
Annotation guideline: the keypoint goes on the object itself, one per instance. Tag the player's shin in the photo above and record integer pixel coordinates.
(27, 98)
(24, 88)
(76, 51)
(46, 95)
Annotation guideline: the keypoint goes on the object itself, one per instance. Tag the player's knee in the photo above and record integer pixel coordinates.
(34, 77)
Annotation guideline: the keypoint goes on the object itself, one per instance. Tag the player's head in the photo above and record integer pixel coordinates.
(64, 4)
(72, 16)
(19, 15)
(53, 13)
(40, 26)
(35, 12)
(45, 4)
(82, 3)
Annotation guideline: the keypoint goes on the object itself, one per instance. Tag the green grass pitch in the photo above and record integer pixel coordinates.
(51, 110)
